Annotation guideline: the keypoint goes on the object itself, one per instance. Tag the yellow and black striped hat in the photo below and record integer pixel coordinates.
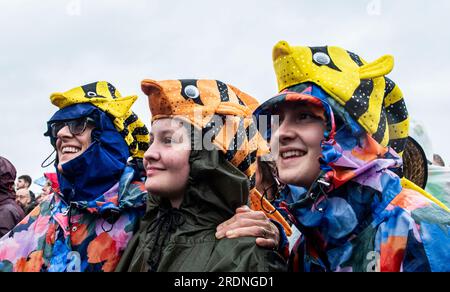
(362, 88)
(107, 98)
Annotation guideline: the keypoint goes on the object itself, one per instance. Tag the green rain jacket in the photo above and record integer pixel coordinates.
(183, 240)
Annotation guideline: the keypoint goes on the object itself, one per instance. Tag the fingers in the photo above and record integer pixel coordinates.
(247, 219)
(253, 231)
(243, 213)
(266, 233)
(242, 209)
(241, 223)
(226, 223)
(267, 243)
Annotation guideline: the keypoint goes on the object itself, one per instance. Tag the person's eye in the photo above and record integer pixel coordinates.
(56, 127)
(168, 140)
(78, 126)
(276, 119)
(307, 117)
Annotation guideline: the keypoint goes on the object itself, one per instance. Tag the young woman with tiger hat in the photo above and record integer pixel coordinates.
(85, 226)
(342, 128)
(200, 167)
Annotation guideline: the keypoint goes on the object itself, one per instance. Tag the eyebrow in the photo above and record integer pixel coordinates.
(162, 133)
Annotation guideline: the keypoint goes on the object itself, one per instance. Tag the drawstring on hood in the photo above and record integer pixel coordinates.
(167, 222)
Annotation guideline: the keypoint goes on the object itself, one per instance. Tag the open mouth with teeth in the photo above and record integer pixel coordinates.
(293, 154)
(70, 150)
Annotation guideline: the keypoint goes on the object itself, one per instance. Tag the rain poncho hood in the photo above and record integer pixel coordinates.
(7, 178)
(184, 240)
(79, 180)
(10, 212)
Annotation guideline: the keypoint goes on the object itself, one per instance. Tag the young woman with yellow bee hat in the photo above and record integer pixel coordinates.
(342, 128)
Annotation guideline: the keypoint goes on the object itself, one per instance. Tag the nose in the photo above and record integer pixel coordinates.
(284, 133)
(152, 153)
(64, 133)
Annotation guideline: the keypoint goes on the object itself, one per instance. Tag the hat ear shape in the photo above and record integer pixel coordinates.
(151, 87)
(73, 96)
(281, 49)
(157, 98)
(378, 68)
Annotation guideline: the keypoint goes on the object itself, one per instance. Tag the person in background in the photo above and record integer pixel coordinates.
(438, 175)
(25, 199)
(46, 192)
(438, 160)
(23, 182)
(10, 211)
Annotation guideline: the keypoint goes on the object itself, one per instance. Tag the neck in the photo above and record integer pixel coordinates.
(176, 203)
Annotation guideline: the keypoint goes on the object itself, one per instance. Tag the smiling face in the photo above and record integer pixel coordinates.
(70, 146)
(167, 160)
(296, 144)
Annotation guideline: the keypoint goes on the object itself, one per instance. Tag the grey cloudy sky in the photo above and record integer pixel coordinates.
(55, 45)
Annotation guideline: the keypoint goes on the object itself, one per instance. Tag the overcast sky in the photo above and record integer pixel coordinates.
(49, 46)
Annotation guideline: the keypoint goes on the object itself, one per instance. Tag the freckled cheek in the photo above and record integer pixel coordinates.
(313, 137)
(176, 161)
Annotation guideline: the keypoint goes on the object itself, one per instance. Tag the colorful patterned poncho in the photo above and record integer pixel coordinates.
(360, 218)
(56, 237)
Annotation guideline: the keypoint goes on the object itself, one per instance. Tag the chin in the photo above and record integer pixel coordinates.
(295, 178)
(289, 179)
(148, 186)
(59, 167)
(153, 188)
